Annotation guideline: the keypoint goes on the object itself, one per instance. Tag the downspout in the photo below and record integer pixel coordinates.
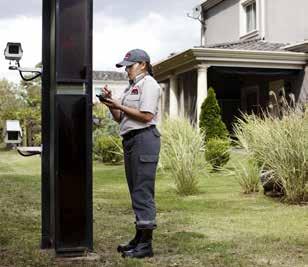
(203, 29)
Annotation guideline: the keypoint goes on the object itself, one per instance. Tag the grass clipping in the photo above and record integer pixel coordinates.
(182, 154)
(281, 146)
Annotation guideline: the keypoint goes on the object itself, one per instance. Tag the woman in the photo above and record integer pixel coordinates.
(137, 114)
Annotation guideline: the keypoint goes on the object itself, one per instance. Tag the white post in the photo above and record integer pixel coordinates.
(173, 100)
(303, 94)
(162, 100)
(181, 109)
(201, 88)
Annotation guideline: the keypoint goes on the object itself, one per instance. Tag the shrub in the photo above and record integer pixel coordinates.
(107, 149)
(107, 145)
(210, 118)
(248, 176)
(37, 140)
(217, 152)
(281, 145)
(106, 126)
(181, 154)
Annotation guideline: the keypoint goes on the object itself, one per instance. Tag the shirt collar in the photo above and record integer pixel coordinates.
(137, 78)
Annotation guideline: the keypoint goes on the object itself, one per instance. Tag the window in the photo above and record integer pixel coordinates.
(251, 18)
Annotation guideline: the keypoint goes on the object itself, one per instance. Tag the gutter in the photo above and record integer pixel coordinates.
(298, 47)
(192, 58)
(206, 5)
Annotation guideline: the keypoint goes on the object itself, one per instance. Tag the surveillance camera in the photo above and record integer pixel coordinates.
(197, 11)
(13, 51)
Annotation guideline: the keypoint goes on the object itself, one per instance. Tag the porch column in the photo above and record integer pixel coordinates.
(201, 88)
(303, 94)
(162, 101)
(181, 101)
(173, 100)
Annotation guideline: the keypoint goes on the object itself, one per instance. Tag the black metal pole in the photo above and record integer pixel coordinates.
(67, 219)
(45, 118)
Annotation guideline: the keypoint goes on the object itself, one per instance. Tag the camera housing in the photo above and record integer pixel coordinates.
(13, 51)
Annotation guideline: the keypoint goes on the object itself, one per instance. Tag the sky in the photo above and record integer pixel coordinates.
(160, 27)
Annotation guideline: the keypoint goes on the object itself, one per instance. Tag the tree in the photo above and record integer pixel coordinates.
(210, 118)
(9, 102)
(30, 113)
(22, 102)
(105, 124)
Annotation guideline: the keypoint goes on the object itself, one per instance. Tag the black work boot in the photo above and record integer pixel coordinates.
(143, 248)
(131, 244)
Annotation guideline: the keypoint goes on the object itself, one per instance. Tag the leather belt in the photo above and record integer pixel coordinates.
(133, 133)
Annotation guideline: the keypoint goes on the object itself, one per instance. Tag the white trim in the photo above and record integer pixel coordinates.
(262, 19)
(187, 68)
(260, 16)
(173, 99)
(250, 35)
(245, 3)
(258, 59)
(189, 59)
(202, 85)
(297, 47)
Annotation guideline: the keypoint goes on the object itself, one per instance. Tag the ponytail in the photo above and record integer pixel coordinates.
(150, 69)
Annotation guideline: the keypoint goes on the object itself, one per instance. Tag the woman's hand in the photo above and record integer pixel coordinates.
(112, 103)
(106, 92)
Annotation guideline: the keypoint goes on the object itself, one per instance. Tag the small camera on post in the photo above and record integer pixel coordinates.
(13, 51)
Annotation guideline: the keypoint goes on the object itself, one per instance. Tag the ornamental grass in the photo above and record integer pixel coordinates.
(248, 176)
(280, 145)
(182, 154)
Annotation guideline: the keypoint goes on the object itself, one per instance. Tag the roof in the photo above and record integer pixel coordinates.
(203, 57)
(13, 125)
(298, 47)
(207, 4)
(253, 44)
(109, 75)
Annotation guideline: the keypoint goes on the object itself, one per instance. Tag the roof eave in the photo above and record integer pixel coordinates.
(238, 53)
(231, 58)
(210, 3)
(298, 47)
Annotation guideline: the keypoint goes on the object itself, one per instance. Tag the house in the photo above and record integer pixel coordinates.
(248, 48)
(116, 81)
(12, 132)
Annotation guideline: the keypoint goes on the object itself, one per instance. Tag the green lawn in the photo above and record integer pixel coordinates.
(218, 227)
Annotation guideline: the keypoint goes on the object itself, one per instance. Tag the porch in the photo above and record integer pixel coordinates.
(242, 81)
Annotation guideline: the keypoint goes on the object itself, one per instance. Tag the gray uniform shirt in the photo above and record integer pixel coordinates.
(143, 94)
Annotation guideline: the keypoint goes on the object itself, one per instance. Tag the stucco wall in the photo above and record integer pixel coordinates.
(286, 21)
(222, 22)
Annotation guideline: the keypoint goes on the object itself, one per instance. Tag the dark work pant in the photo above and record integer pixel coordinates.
(141, 153)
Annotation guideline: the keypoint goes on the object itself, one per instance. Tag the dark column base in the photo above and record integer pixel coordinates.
(46, 242)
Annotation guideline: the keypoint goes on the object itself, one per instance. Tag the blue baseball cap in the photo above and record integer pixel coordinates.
(133, 56)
